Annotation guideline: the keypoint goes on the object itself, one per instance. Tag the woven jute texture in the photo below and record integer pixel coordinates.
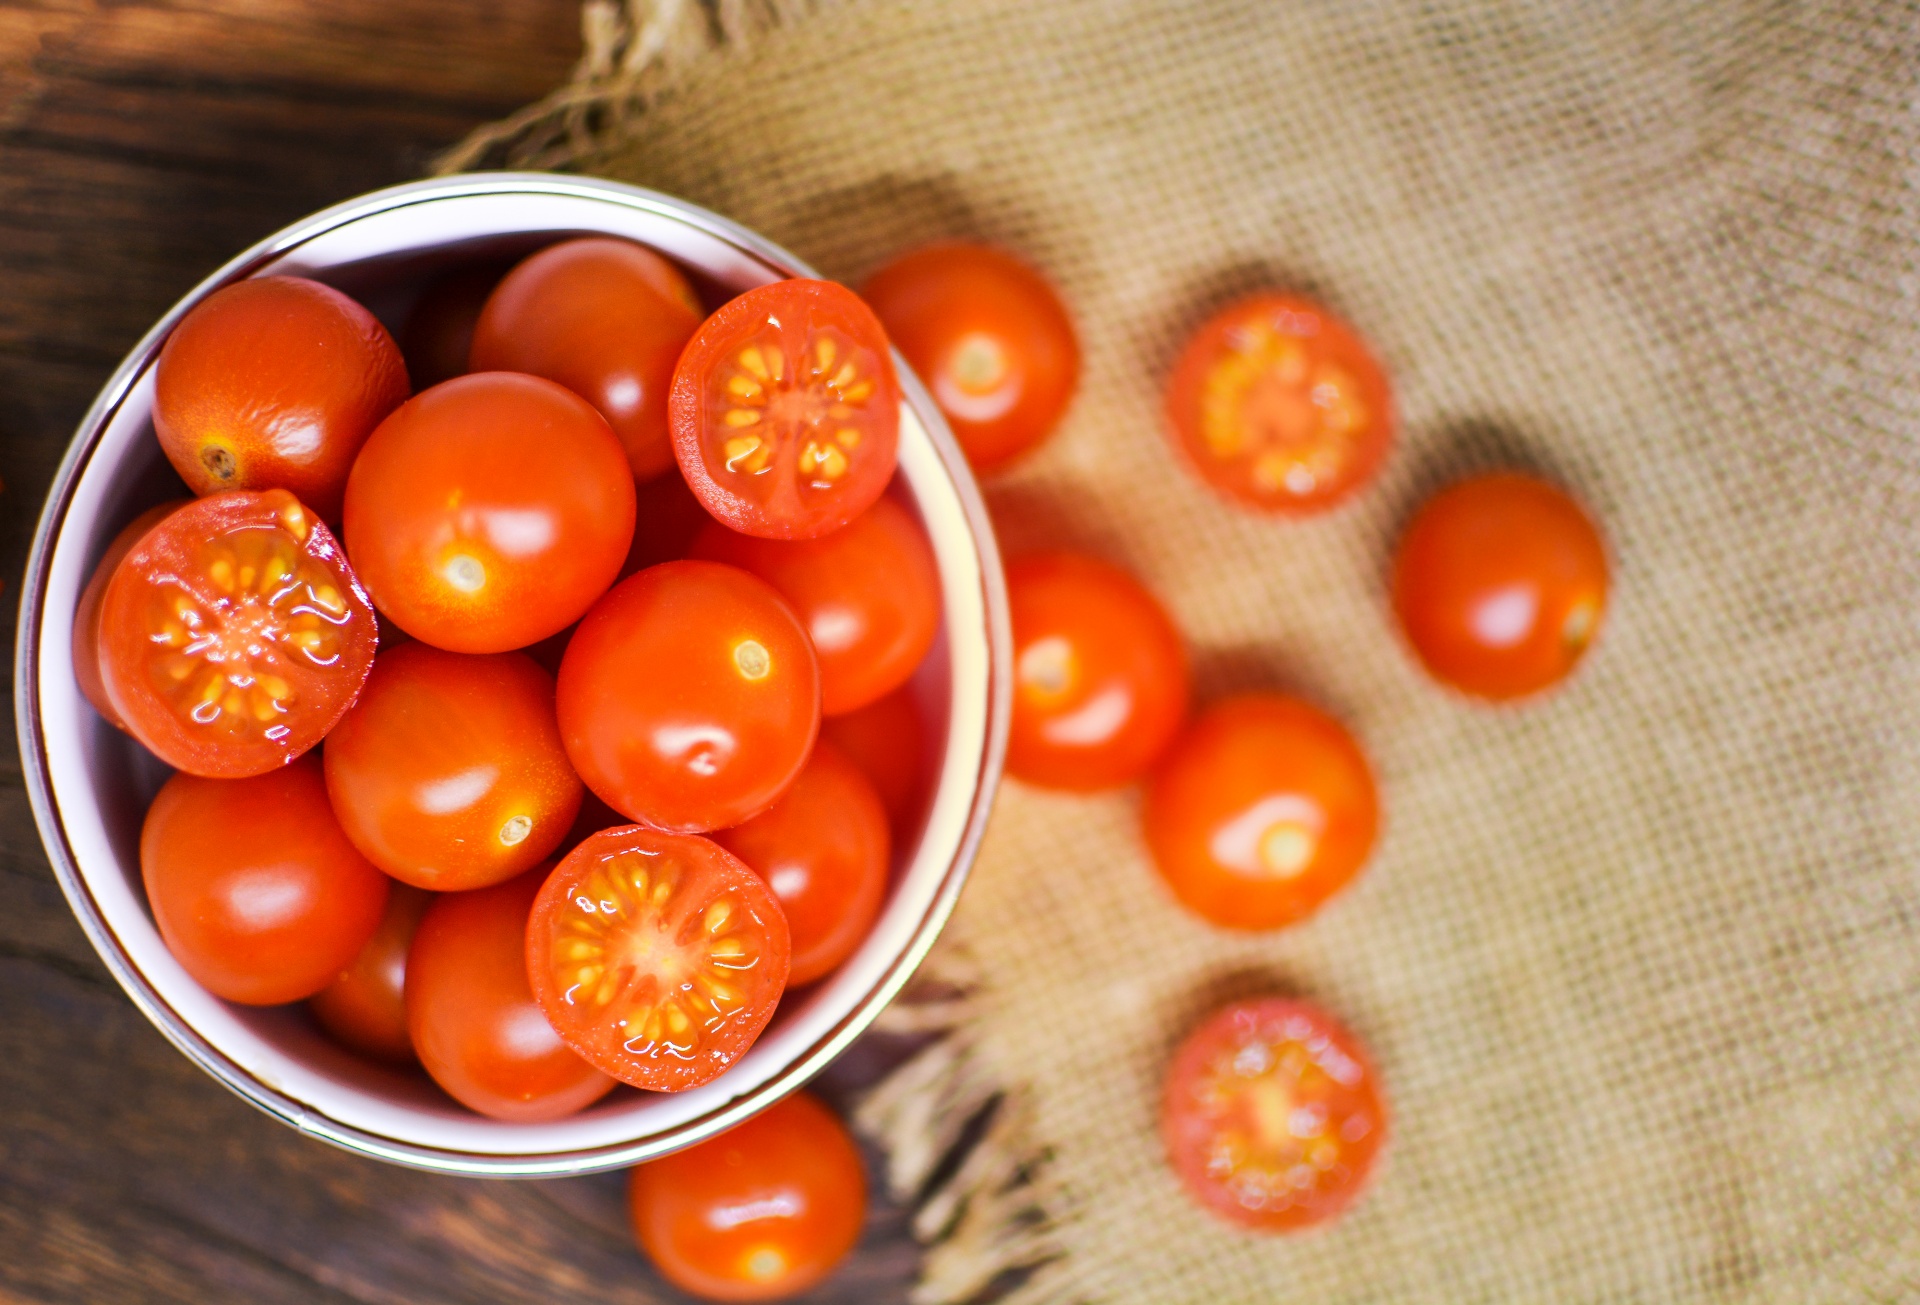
(1640, 962)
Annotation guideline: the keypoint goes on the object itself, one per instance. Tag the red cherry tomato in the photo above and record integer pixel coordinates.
(989, 337)
(785, 410)
(274, 383)
(1500, 585)
(86, 612)
(824, 850)
(666, 520)
(449, 773)
(1278, 404)
(365, 1008)
(256, 891)
(762, 1212)
(1261, 811)
(1273, 1117)
(1100, 676)
(658, 957)
(869, 596)
(489, 512)
(472, 1016)
(234, 635)
(689, 697)
(605, 318)
(439, 331)
(888, 741)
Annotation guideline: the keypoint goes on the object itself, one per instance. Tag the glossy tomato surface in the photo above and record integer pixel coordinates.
(785, 410)
(888, 741)
(762, 1212)
(689, 697)
(256, 891)
(274, 383)
(489, 512)
(868, 594)
(234, 635)
(1500, 584)
(449, 772)
(989, 337)
(1280, 405)
(658, 957)
(471, 1013)
(439, 330)
(365, 1007)
(86, 612)
(1273, 1117)
(824, 850)
(1263, 809)
(1100, 674)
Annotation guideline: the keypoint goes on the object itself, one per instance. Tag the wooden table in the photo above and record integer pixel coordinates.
(142, 143)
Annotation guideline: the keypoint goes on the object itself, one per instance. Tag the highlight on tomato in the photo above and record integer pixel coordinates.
(365, 1007)
(86, 611)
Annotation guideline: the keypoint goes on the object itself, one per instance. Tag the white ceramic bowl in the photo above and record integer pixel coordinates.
(90, 785)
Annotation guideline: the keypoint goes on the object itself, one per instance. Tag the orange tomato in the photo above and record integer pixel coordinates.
(365, 1008)
(887, 740)
(86, 612)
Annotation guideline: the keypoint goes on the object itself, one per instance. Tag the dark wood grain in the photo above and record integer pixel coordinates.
(142, 143)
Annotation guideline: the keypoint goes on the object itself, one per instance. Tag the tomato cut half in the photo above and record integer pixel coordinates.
(785, 410)
(657, 957)
(234, 635)
(86, 612)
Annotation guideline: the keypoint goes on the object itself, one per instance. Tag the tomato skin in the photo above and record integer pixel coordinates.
(439, 330)
(887, 740)
(449, 773)
(234, 635)
(1237, 1094)
(274, 383)
(868, 594)
(1263, 809)
(256, 891)
(824, 850)
(689, 697)
(365, 1007)
(472, 1016)
(1500, 585)
(489, 512)
(764, 1211)
(667, 518)
(989, 337)
(1100, 674)
(86, 612)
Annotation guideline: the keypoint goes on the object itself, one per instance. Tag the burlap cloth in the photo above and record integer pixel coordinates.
(1640, 963)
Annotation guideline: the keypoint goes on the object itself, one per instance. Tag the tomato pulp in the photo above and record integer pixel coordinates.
(86, 612)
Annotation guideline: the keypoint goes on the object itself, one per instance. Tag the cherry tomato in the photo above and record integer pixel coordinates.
(1273, 1117)
(605, 318)
(449, 773)
(489, 512)
(472, 1016)
(256, 891)
(764, 1211)
(785, 410)
(1500, 585)
(1100, 676)
(869, 596)
(1261, 811)
(989, 337)
(274, 383)
(888, 741)
(666, 520)
(689, 697)
(439, 331)
(234, 635)
(824, 850)
(658, 957)
(86, 612)
(1278, 404)
(365, 1007)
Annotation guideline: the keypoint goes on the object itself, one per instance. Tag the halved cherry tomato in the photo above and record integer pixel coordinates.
(489, 512)
(449, 772)
(689, 697)
(888, 741)
(234, 635)
(86, 612)
(785, 410)
(1278, 404)
(824, 850)
(274, 383)
(1273, 1117)
(256, 891)
(762, 1212)
(1100, 675)
(989, 337)
(1500, 584)
(658, 957)
(439, 331)
(869, 596)
(605, 318)
(1262, 810)
(473, 1018)
(365, 1008)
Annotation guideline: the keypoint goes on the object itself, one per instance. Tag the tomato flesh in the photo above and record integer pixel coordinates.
(86, 612)
(365, 1008)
